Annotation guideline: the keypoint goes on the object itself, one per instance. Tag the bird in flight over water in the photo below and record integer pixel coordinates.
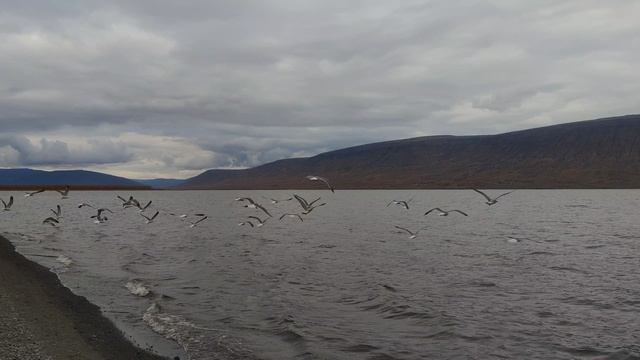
(445, 212)
(490, 200)
(30, 194)
(7, 205)
(324, 180)
(412, 235)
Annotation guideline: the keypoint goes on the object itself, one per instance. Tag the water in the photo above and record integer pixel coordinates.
(345, 284)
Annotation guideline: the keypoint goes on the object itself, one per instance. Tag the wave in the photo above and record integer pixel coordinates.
(137, 288)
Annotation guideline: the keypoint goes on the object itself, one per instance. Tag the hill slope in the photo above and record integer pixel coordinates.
(603, 153)
(30, 178)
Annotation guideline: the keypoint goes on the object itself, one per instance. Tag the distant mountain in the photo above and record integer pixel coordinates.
(603, 153)
(17, 178)
(161, 183)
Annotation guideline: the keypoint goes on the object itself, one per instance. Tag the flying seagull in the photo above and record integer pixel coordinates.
(129, 203)
(80, 206)
(51, 221)
(99, 218)
(291, 216)
(193, 224)
(260, 221)
(404, 204)
(491, 201)
(412, 235)
(57, 212)
(143, 208)
(445, 212)
(7, 205)
(30, 194)
(150, 219)
(246, 223)
(318, 178)
(64, 193)
(275, 201)
(307, 206)
(253, 205)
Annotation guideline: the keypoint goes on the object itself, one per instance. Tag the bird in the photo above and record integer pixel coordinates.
(307, 206)
(57, 212)
(129, 203)
(193, 224)
(81, 205)
(275, 201)
(64, 193)
(30, 194)
(318, 178)
(404, 204)
(7, 205)
(51, 221)
(260, 221)
(99, 218)
(412, 235)
(246, 223)
(491, 201)
(253, 205)
(143, 208)
(150, 219)
(291, 216)
(445, 212)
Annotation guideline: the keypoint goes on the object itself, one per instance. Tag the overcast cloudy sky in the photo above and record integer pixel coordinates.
(153, 88)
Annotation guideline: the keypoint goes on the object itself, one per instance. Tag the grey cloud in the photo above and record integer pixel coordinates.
(248, 81)
(54, 152)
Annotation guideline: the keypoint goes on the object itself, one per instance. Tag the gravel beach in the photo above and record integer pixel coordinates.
(41, 319)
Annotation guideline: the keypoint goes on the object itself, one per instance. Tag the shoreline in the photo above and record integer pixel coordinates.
(42, 319)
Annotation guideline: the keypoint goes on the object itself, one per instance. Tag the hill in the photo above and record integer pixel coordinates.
(29, 178)
(603, 153)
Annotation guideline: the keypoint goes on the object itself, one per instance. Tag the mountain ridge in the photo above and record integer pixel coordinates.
(600, 153)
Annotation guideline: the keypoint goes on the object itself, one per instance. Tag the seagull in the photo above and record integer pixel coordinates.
(253, 205)
(318, 178)
(143, 208)
(412, 235)
(246, 223)
(404, 204)
(80, 206)
(307, 206)
(7, 205)
(64, 193)
(181, 216)
(150, 219)
(291, 216)
(275, 201)
(260, 221)
(99, 218)
(30, 194)
(51, 221)
(57, 212)
(129, 203)
(193, 224)
(491, 201)
(445, 212)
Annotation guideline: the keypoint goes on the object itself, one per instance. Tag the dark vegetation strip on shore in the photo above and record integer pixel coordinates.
(72, 187)
(42, 319)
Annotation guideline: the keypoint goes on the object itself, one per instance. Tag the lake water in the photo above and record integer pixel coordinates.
(345, 284)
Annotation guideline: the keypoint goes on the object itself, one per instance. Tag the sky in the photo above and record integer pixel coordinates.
(164, 88)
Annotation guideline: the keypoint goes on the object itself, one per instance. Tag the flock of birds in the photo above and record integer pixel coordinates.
(253, 221)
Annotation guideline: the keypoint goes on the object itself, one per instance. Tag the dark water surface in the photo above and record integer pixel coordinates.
(345, 284)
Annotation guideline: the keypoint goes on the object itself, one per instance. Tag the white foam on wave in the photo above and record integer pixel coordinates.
(64, 260)
(137, 288)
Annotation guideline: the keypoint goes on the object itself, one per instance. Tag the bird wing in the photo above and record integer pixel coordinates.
(256, 218)
(145, 216)
(428, 212)
(3, 203)
(302, 201)
(405, 204)
(199, 220)
(507, 193)
(121, 198)
(313, 202)
(263, 209)
(155, 215)
(10, 201)
(403, 229)
(146, 206)
(391, 202)
(460, 211)
(50, 219)
(483, 194)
